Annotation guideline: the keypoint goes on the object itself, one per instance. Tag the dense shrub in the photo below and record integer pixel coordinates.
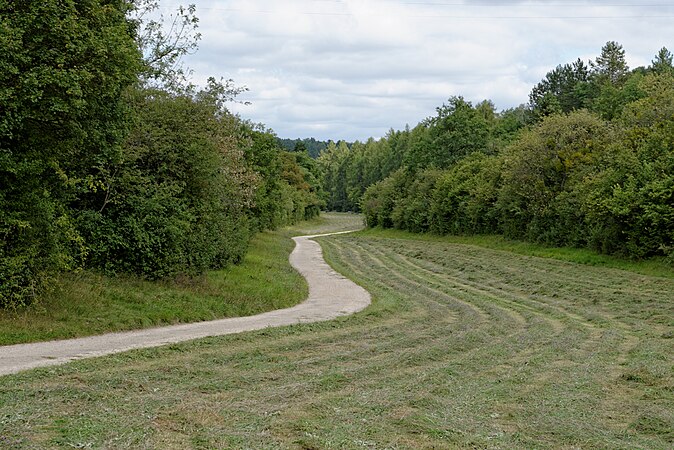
(413, 211)
(630, 200)
(63, 67)
(572, 179)
(98, 169)
(381, 198)
(178, 199)
(458, 130)
(301, 187)
(464, 197)
(540, 167)
(289, 189)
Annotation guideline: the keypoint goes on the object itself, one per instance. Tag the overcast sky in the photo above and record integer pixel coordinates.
(352, 69)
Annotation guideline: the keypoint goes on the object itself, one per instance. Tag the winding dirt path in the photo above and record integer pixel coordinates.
(330, 295)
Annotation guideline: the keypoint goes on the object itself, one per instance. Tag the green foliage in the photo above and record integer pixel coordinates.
(381, 198)
(610, 66)
(413, 213)
(459, 200)
(544, 163)
(632, 199)
(508, 125)
(601, 177)
(301, 188)
(177, 201)
(261, 152)
(662, 64)
(312, 146)
(611, 99)
(563, 89)
(110, 160)
(333, 163)
(465, 196)
(457, 130)
(289, 190)
(163, 45)
(63, 68)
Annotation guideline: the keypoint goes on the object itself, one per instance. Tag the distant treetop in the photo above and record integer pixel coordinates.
(312, 146)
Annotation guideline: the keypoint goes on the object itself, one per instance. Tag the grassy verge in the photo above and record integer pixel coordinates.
(657, 267)
(87, 303)
(463, 347)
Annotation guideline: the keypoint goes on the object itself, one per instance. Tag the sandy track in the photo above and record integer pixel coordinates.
(330, 296)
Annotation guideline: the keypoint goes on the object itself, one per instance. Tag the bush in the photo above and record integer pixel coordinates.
(544, 163)
(380, 199)
(464, 197)
(63, 68)
(413, 212)
(629, 202)
(179, 199)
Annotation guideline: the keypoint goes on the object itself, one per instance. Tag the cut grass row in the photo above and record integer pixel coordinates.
(463, 347)
(657, 267)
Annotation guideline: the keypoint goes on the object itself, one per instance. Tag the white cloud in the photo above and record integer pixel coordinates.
(355, 68)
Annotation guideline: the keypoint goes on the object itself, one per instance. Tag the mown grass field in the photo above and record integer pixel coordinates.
(327, 222)
(463, 347)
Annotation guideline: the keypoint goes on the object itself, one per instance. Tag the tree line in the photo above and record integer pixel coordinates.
(111, 161)
(588, 162)
(310, 145)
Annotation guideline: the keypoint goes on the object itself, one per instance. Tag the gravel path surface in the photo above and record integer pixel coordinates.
(330, 295)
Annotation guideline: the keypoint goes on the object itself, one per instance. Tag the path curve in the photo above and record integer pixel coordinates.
(330, 295)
